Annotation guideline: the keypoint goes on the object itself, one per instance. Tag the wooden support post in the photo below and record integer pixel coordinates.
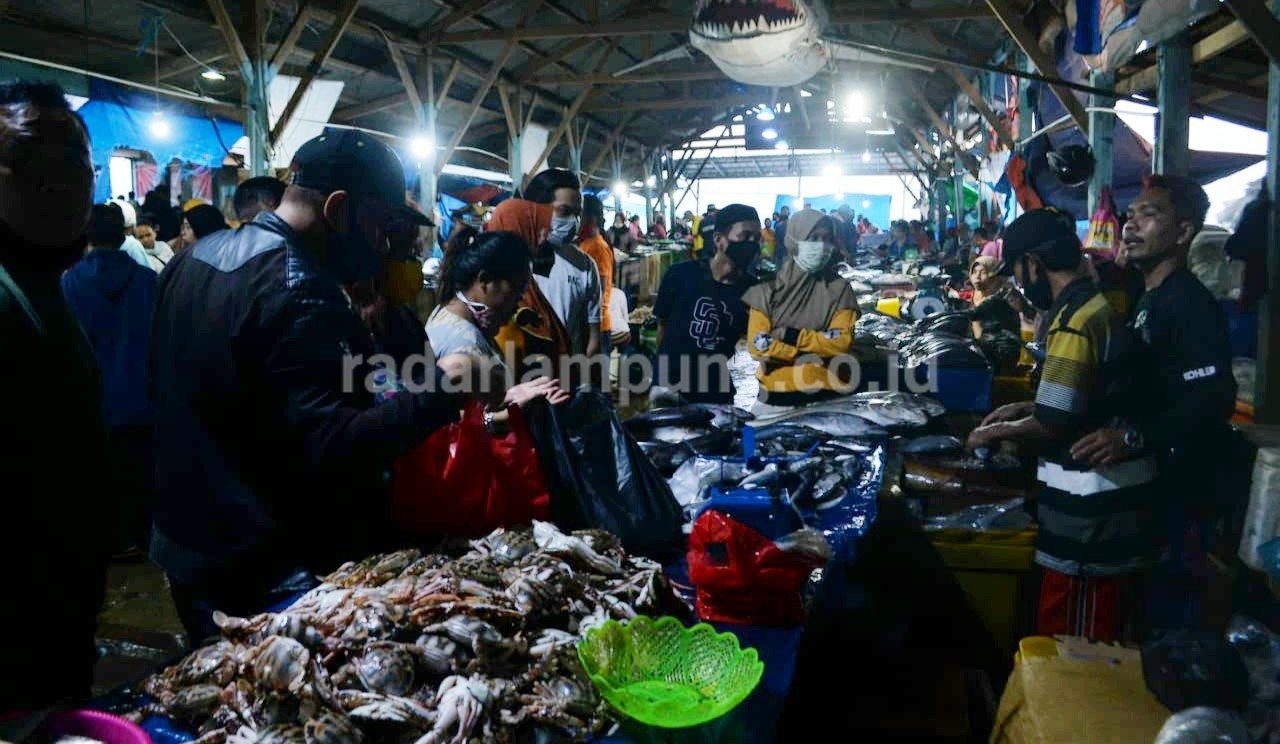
(336, 31)
(229, 33)
(968, 88)
(607, 147)
(1267, 380)
(1101, 136)
(941, 125)
(905, 184)
(254, 74)
(482, 91)
(1173, 118)
(426, 82)
(449, 77)
(1011, 19)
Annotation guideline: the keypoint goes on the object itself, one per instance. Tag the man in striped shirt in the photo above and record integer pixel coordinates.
(1097, 525)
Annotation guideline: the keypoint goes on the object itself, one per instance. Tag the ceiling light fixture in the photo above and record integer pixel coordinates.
(781, 145)
(766, 114)
(422, 147)
(866, 156)
(212, 74)
(769, 133)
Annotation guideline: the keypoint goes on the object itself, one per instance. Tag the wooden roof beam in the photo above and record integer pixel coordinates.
(1261, 23)
(940, 124)
(322, 54)
(968, 88)
(1224, 39)
(609, 79)
(290, 40)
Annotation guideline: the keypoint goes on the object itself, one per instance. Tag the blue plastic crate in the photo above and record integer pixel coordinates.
(960, 389)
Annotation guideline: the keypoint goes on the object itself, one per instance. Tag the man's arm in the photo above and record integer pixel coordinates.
(305, 366)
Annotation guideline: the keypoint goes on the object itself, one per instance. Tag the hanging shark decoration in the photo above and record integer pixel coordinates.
(775, 43)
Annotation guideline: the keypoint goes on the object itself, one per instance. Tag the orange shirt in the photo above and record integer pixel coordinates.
(598, 249)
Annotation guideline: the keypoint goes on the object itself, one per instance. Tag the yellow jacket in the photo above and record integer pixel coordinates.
(778, 372)
(697, 236)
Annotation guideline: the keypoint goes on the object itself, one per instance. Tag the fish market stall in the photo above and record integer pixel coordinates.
(642, 274)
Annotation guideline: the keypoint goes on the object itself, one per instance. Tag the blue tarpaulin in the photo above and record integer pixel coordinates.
(875, 207)
(117, 117)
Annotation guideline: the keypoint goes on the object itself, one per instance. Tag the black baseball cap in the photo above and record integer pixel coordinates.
(1048, 233)
(348, 160)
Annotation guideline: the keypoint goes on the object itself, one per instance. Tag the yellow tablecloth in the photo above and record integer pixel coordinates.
(1070, 690)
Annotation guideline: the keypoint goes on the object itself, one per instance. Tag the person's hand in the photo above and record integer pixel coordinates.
(1103, 447)
(1010, 412)
(778, 333)
(982, 436)
(543, 387)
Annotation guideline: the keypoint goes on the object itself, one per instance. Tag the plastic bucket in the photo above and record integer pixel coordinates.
(92, 724)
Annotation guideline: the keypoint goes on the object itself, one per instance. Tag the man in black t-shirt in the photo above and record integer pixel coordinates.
(1187, 384)
(700, 306)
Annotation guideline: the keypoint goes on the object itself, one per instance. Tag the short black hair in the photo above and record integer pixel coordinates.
(592, 207)
(733, 214)
(1190, 202)
(257, 192)
(635, 218)
(542, 187)
(205, 219)
(106, 226)
(18, 98)
(981, 232)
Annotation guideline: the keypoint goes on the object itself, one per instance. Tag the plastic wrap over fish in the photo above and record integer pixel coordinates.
(942, 349)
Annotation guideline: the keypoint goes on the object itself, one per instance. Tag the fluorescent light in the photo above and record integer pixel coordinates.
(422, 147)
(766, 114)
(159, 126)
(212, 74)
(882, 132)
(781, 145)
(805, 94)
(769, 133)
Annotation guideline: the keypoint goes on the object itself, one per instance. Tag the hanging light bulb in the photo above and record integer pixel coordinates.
(769, 133)
(651, 181)
(620, 189)
(766, 114)
(159, 125)
(422, 147)
(866, 156)
(212, 74)
(781, 145)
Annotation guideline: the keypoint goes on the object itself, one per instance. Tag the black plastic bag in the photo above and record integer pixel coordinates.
(1188, 668)
(599, 477)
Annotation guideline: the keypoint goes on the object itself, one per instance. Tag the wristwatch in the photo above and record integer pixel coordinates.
(1133, 438)
(488, 422)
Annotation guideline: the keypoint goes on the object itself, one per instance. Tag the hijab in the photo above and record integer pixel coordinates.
(996, 284)
(796, 298)
(534, 329)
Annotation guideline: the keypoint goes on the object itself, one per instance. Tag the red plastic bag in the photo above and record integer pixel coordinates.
(463, 481)
(1104, 229)
(744, 577)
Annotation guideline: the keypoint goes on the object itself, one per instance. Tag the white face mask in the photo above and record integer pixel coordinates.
(563, 230)
(812, 255)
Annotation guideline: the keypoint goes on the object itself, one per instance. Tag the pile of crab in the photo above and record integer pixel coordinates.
(421, 649)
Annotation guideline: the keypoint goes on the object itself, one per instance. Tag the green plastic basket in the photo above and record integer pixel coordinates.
(664, 674)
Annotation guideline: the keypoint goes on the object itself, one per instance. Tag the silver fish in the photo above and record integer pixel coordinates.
(768, 475)
(934, 444)
(836, 423)
(675, 434)
(923, 403)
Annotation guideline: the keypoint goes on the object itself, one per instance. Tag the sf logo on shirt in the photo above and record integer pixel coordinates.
(705, 326)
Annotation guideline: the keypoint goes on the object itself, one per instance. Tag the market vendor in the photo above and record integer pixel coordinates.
(1189, 394)
(1100, 526)
(268, 434)
(534, 337)
(701, 314)
(996, 303)
(808, 311)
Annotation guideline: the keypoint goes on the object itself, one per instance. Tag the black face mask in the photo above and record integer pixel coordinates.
(742, 252)
(1039, 293)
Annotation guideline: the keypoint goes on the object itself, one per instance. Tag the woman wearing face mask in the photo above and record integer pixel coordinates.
(533, 337)
(485, 277)
(808, 310)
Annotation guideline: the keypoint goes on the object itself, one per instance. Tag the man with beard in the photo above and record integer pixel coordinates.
(1098, 522)
(54, 459)
(1189, 392)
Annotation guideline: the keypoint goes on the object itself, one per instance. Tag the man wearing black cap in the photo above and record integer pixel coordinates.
(271, 455)
(700, 307)
(1098, 525)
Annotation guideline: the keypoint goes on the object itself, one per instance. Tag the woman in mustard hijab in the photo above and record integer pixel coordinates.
(535, 336)
(807, 311)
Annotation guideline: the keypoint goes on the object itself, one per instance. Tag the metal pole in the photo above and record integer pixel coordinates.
(1173, 118)
(1101, 136)
(957, 174)
(427, 170)
(1267, 381)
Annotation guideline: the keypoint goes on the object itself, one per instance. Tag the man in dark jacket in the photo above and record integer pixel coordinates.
(53, 460)
(272, 452)
(113, 298)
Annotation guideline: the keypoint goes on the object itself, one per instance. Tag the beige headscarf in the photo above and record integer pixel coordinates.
(796, 298)
(995, 283)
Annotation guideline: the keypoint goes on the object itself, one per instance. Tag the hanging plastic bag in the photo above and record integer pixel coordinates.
(600, 478)
(1104, 229)
(744, 577)
(464, 481)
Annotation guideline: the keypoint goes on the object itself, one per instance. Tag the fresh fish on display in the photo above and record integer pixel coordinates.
(956, 323)
(934, 444)
(723, 415)
(676, 434)
(861, 287)
(890, 280)
(837, 445)
(829, 489)
(837, 424)
(944, 349)
(769, 474)
(929, 406)
(682, 416)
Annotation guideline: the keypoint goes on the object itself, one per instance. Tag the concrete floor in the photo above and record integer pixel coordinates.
(138, 629)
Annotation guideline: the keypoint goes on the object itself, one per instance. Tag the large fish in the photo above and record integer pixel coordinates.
(675, 434)
(934, 444)
(681, 416)
(923, 403)
(837, 424)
